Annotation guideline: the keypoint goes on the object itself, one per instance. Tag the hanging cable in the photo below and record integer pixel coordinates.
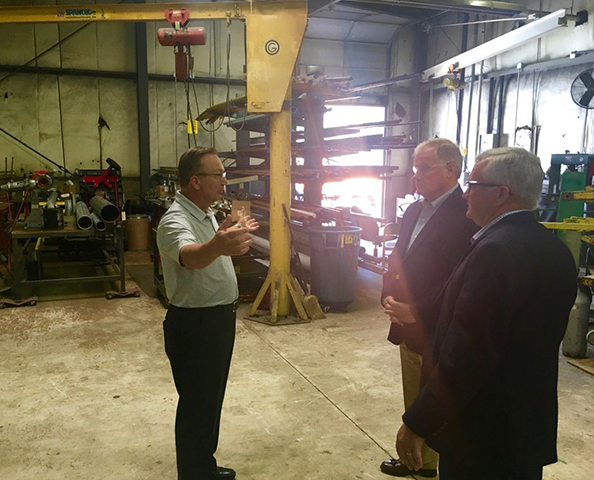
(227, 111)
(175, 116)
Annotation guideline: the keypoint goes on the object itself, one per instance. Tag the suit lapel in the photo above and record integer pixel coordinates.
(438, 220)
(407, 228)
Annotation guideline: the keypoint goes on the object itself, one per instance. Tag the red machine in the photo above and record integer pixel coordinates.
(109, 180)
(181, 38)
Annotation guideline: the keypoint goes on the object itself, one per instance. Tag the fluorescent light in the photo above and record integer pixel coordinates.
(498, 45)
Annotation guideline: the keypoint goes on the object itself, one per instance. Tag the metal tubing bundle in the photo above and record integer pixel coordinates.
(83, 218)
(18, 185)
(107, 211)
(100, 225)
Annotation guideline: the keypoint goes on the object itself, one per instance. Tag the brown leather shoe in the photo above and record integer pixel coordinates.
(396, 468)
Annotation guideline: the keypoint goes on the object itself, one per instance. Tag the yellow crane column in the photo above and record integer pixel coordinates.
(280, 194)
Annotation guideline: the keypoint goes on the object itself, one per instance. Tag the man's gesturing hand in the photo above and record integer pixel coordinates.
(247, 221)
(232, 241)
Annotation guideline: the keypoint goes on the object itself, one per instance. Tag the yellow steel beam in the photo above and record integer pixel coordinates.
(137, 12)
(274, 33)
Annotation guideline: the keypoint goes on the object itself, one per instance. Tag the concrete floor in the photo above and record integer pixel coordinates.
(86, 393)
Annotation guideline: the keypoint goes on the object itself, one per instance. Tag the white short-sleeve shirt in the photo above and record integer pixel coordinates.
(186, 224)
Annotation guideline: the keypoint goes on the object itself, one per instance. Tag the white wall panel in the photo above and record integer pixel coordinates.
(80, 112)
(117, 101)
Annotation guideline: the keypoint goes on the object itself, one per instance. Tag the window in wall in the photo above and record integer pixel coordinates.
(362, 193)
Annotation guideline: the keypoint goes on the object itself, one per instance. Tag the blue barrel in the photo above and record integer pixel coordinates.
(334, 252)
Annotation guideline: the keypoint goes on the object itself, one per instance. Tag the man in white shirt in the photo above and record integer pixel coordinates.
(200, 324)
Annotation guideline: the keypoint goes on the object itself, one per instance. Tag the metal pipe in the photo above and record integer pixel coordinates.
(77, 72)
(107, 211)
(478, 110)
(490, 106)
(18, 185)
(500, 106)
(481, 22)
(460, 109)
(83, 218)
(51, 201)
(517, 104)
(467, 137)
(264, 244)
(470, 100)
(100, 225)
(64, 169)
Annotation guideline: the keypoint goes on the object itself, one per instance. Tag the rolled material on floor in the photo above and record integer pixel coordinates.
(83, 218)
(107, 211)
(100, 225)
(265, 244)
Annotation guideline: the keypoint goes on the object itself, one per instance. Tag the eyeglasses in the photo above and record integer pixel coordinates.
(425, 170)
(475, 183)
(218, 176)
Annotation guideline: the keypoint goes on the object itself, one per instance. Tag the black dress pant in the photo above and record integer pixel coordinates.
(199, 344)
(449, 470)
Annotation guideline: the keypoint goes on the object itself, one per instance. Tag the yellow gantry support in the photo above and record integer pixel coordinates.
(279, 280)
(572, 229)
(274, 33)
(575, 224)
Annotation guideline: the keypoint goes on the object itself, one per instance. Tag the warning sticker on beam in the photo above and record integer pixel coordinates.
(82, 14)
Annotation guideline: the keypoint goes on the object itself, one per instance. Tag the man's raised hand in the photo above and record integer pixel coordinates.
(247, 221)
(232, 241)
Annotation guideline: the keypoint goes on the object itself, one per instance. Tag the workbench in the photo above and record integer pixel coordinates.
(25, 242)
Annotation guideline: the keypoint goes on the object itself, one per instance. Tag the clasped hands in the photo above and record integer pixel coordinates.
(236, 239)
(399, 312)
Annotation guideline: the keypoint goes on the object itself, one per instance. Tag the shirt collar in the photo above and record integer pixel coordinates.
(482, 232)
(191, 207)
(435, 204)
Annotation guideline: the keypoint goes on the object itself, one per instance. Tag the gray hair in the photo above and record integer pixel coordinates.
(446, 152)
(517, 168)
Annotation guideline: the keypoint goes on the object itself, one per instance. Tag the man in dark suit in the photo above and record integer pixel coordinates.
(434, 236)
(489, 400)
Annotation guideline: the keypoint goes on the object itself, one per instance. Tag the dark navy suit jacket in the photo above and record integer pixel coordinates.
(490, 378)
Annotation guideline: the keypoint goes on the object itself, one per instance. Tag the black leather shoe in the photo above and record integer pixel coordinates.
(397, 469)
(223, 473)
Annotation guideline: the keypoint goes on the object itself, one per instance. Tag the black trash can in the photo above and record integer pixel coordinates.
(334, 252)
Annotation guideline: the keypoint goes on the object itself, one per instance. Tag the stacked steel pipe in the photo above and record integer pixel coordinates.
(100, 225)
(83, 218)
(104, 209)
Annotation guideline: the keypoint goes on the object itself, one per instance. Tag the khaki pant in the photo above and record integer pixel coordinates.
(411, 380)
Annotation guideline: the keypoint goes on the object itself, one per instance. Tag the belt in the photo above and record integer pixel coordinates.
(234, 306)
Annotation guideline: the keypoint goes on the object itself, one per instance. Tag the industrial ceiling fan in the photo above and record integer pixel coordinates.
(582, 89)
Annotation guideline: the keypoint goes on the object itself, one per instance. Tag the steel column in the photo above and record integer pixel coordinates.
(142, 94)
(280, 194)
